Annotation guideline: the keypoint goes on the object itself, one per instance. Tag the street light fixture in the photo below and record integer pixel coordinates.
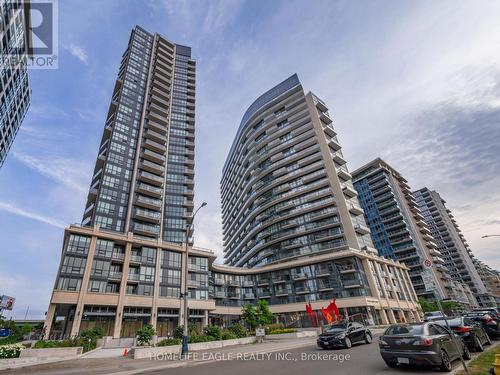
(184, 293)
(490, 235)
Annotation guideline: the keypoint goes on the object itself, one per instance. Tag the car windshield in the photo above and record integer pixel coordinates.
(336, 328)
(457, 322)
(405, 329)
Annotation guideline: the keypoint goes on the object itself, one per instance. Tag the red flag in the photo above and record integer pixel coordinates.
(335, 308)
(331, 311)
(327, 315)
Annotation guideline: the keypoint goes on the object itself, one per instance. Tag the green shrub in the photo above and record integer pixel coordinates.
(145, 334)
(279, 331)
(12, 339)
(169, 342)
(228, 335)
(47, 344)
(88, 338)
(10, 351)
(200, 338)
(213, 331)
(238, 330)
(272, 327)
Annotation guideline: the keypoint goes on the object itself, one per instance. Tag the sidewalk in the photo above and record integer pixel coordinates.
(127, 366)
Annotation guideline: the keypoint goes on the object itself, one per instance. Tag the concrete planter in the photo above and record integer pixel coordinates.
(52, 352)
(294, 335)
(165, 351)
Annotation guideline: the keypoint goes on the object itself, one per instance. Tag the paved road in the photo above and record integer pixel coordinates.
(359, 360)
(299, 356)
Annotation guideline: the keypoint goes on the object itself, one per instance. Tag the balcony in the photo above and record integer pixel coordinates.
(115, 275)
(281, 292)
(151, 178)
(220, 295)
(147, 230)
(299, 276)
(302, 290)
(154, 136)
(234, 283)
(361, 229)
(154, 146)
(148, 202)
(249, 296)
(152, 167)
(349, 191)
(344, 174)
(219, 281)
(334, 145)
(193, 284)
(150, 190)
(154, 157)
(233, 296)
(159, 128)
(354, 208)
(134, 277)
(247, 283)
(147, 215)
(347, 269)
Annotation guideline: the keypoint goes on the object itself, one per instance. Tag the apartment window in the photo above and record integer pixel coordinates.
(104, 248)
(97, 286)
(70, 284)
(78, 244)
(169, 276)
(280, 112)
(171, 259)
(73, 265)
(200, 263)
(100, 268)
(147, 274)
(145, 290)
(170, 292)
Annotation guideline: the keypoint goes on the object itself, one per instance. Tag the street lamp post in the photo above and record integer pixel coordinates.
(184, 294)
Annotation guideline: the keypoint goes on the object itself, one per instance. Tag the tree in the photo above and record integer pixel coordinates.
(145, 334)
(265, 316)
(249, 315)
(257, 315)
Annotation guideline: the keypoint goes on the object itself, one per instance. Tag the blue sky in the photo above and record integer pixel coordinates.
(417, 83)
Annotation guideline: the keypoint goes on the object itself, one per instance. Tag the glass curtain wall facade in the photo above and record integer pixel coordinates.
(144, 175)
(15, 93)
(397, 226)
(451, 242)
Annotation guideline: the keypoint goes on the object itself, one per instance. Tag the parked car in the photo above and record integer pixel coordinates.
(489, 324)
(426, 344)
(470, 331)
(344, 335)
(491, 311)
(433, 315)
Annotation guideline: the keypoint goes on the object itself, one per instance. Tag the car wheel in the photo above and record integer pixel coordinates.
(368, 338)
(347, 342)
(466, 354)
(479, 347)
(391, 364)
(445, 362)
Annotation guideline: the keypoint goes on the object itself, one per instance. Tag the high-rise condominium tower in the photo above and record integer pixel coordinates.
(451, 242)
(15, 94)
(143, 177)
(292, 220)
(397, 226)
(122, 267)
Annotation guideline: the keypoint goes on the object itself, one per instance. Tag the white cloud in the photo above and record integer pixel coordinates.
(71, 173)
(78, 52)
(8, 207)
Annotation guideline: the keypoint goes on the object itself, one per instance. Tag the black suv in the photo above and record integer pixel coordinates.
(344, 335)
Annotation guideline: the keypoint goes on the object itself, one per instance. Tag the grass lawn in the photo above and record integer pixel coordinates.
(481, 365)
